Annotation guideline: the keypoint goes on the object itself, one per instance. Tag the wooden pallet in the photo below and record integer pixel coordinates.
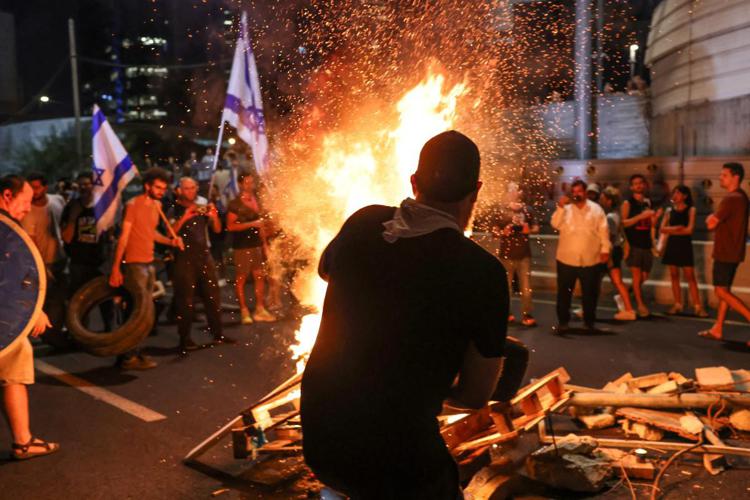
(275, 417)
(478, 430)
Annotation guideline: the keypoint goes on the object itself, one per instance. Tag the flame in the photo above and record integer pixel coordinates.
(360, 172)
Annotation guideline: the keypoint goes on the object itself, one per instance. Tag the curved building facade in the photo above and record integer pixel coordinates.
(699, 55)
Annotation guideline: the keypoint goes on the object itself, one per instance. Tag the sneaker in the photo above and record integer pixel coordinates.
(189, 345)
(625, 316)
(700, 312)
(560, 328)
(246, 318)
(528, 320)
(138, 362)
(620, 302)
(263, 315)
(675, 309)
(223, 339)
(643, 312)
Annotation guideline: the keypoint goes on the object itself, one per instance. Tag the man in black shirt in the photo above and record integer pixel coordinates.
(411, 304)
(194, 268)
(84, 247)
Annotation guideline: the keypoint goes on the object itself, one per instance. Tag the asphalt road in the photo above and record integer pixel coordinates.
(109, 453)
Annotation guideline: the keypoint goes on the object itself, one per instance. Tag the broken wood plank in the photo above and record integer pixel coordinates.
(614, 384)
(643, 431)
(544, 438)
(661, 419)
(691, 423)
(685, 400)
(679, 378)
(600, 421)
(485, 441)
(668, 387)
(714, 378)
(741, 380)
(647, 381)
(634, 468)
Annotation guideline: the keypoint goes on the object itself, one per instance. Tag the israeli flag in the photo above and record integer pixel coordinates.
(113, 170)
(243, 108)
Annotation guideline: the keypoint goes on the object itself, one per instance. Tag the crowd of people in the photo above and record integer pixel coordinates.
(185, 218)
(599, 231)
(447, 305)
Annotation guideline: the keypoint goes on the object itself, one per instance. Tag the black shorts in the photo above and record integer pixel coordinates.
(724, 273)
(642, 258)
(615, 260)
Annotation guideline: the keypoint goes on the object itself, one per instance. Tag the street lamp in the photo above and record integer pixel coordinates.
(44, 98)
(633, 57)
(231, 141)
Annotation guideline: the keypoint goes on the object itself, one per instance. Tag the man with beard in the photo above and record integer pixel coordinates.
(83, 245)
(411, 305)
(135, 249)
(43, 225)
(729, 224)
(639, 219)
(194, 268)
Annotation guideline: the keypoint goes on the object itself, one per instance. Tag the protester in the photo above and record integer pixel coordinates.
(194, 268)
(729, 224)
(515, 225)
(42, 224)
(248, 240)
(135, 250)
(583, 245)
(407, 310)
(609, 200)
(639, 220)
(17, 361)
(85, 248)
(677, 228)
(593, 192)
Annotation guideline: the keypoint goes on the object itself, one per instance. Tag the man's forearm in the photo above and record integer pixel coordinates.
(160, 238)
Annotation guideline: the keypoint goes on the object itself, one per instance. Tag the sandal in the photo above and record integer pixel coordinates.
(707, 334)
(23, 451)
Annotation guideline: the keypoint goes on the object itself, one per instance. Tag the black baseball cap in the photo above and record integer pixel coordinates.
(448, 168)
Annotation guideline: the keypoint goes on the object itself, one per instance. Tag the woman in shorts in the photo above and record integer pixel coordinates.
(610, 201)
(678, 225)
(248, 239)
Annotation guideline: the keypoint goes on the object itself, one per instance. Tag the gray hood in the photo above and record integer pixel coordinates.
(414, 219)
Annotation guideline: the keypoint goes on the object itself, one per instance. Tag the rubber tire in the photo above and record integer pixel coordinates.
(121, 340)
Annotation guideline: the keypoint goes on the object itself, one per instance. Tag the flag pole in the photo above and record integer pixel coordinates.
(216, 156)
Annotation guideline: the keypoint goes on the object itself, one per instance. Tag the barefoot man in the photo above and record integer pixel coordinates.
(729, 224)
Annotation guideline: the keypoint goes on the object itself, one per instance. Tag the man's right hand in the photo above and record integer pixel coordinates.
(42, 323)
(564, 200)
(115, 279)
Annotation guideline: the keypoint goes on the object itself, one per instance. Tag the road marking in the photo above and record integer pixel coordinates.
(96, 392)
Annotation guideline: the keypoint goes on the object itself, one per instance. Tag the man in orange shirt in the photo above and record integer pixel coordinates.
(135, 249)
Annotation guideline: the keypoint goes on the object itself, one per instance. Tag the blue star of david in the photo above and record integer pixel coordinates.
(98, 172)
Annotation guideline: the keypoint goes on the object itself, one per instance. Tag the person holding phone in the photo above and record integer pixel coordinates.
(584, 244)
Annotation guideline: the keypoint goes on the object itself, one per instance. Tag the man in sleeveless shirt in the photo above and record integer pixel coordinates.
(638, 219)
(729, 224)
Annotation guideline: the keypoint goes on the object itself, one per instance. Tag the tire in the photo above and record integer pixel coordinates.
(124, 338)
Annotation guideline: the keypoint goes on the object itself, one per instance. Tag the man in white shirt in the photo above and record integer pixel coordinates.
(583, 245)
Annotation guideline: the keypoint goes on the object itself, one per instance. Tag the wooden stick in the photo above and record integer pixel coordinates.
(687, 400)
(166, 222)
(664, 445)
